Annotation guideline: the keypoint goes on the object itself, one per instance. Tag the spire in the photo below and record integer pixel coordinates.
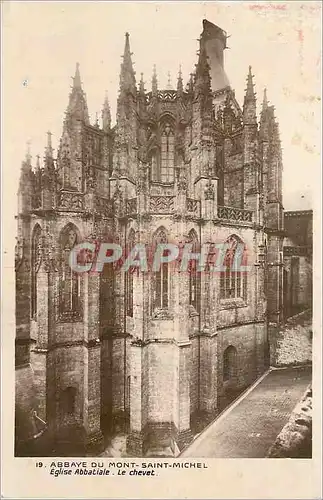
(265, 100)
(190, 84)
(249, 105)
(154, 83)
(26, 189)
(127, 74)
(49, 161)
(38, 179)
(106, 114)
(77, 106)
(142, 84)
(49, 149)
(77, 78)
(28, 155)
(265, 116)
(180, 81)
(169, 83)
(37, 163)
(26, 173)
(250, 94)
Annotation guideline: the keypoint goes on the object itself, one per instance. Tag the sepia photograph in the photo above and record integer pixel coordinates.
(164, 162)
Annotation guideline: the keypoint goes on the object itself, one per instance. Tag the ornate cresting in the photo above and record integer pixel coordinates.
(235, 214)
(163, 96)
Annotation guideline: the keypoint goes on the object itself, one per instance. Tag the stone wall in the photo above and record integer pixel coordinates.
(25, 404)
(249, 342)
(291, 344)
(297, 284)
(295, 439)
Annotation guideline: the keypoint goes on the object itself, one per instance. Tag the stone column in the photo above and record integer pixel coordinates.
(184, 434)
(92, 365)
(135, 439)
(181, 330)
(138, 381)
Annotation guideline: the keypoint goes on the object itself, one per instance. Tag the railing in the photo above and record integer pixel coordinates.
(235, 214)
(161, 204)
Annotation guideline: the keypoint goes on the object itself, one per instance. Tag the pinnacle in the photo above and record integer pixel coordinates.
(28, 155)
(154, 80)
(250, 94)
(127, 75)
(49, 140)
(142, 84)
(77, 106)
(106, 114)
(265, 100)
(77, 78)
(180, 80)
(106, 104)
(37, 162)
(169, 83)
(127, 53)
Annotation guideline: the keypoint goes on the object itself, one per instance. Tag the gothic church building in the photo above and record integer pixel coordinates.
(153, 354)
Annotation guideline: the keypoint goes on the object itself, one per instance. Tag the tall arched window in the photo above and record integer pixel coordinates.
(155, 167)
(233, 281)
(36, 255)
(69, 281)
(160, 278)
(194, 275)
(229, 363)
(167, 154)
(129, 276)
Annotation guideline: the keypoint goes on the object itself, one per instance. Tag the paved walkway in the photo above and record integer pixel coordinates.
(249, 428)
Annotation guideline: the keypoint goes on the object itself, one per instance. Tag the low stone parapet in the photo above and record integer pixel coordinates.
(295, 439)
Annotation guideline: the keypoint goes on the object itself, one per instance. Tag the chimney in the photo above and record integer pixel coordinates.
(214, 39)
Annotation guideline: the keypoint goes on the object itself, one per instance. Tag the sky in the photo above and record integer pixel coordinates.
(42, 41)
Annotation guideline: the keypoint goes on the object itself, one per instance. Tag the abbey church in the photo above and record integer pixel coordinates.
(153, 355)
